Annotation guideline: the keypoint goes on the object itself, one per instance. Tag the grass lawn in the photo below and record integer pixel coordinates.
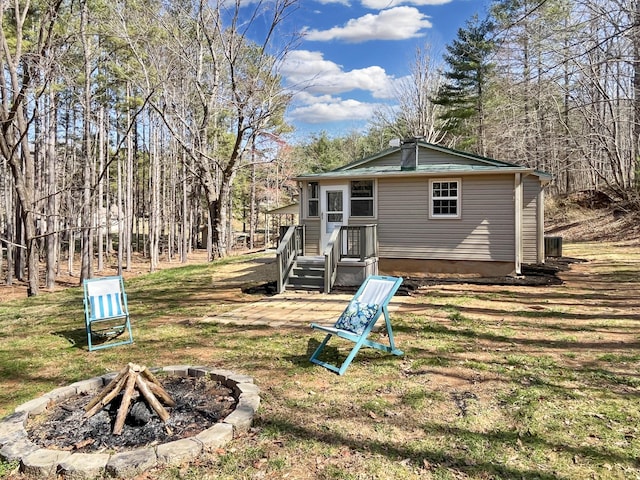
(496, 383)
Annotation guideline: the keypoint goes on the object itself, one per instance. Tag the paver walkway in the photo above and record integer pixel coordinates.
(290, 309)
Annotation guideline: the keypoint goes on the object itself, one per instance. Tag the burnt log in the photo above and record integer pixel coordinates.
(131, 380)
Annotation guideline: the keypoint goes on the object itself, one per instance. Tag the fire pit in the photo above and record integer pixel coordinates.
(61, 433)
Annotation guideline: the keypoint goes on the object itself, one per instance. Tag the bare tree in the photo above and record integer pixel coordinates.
(415, 114)
(223, 89)
(23, 57)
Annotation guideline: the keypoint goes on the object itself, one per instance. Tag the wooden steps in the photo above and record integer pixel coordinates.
(307, 274)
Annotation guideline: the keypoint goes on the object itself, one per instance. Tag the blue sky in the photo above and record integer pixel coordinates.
(353, 51)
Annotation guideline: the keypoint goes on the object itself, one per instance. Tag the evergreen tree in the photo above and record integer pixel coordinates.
(322, 153)
(463, 93)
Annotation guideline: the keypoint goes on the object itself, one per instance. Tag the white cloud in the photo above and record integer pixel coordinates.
(382, 4)
(399, 23)
(309, 71)
(333, 110)
(317, 83)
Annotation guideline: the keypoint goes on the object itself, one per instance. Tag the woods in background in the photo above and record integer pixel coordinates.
(154, 127)
(134, 119)
(552, 84)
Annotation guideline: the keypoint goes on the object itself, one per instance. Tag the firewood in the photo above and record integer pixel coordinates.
(150, 397)
(105, 397)
(157, 388)
(126, 401)
(162, 393)
(129, 378)
(111, 385)
(150, 376)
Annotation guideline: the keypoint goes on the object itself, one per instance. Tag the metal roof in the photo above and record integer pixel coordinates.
(420, 170)
(287, 209)
(359, 169)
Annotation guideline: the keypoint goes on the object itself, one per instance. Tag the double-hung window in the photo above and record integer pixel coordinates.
(362, 198)
(445, 196)
(313, 199)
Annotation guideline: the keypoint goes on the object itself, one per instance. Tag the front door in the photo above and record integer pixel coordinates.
(334, 208)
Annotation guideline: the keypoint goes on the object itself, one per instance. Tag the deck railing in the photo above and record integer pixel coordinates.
(360, 241)
(331, 258)
(291, 245)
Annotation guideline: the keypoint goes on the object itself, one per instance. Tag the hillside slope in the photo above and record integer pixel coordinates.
(591, 217)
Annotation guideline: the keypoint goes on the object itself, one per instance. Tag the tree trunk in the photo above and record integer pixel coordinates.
(52, 239)
(129, 215)
(87, 210)
(102, 214)
(121, 223)
(635, 149)
(185, 212)
(252, 196)
(10, 228)
(155, 222)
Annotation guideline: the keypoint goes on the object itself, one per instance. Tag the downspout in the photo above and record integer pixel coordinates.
(518, 223)
(540, 230)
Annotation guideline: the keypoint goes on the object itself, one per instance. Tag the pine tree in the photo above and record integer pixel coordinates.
(463, 93)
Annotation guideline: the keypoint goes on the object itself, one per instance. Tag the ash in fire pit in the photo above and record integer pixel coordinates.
(62, 442)
(132, 380)
(200, 402)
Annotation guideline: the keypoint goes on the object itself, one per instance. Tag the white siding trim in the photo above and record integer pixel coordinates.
(518, 222)
(540, 233)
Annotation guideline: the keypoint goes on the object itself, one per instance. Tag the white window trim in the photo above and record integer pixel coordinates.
(458, 198)
(306, 201)
(374, 198)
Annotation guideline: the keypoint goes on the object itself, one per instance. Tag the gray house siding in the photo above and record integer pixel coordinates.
(531, 190)
(425, 157)
(484, 236)
(432, 157)
(386, 161)
(361, 221)
(484, 232)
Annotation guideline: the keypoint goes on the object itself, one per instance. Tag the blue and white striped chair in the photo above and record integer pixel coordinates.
(106, 312)
(356, 322)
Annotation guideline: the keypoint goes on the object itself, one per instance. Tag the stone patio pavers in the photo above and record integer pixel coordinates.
(289, 309)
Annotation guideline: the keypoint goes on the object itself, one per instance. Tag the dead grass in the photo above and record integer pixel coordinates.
(576, 221)
(496, 382)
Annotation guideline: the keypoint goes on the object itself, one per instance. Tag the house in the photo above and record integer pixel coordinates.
(434, 209)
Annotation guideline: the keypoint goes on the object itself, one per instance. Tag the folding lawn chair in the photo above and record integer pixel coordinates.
(106, 313)
(358, 319)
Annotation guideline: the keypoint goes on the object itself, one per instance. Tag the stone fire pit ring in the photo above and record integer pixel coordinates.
(43, 462)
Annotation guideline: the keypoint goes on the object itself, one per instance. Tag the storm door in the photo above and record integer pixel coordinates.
(334, 207)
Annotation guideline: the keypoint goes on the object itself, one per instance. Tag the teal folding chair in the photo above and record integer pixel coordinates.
(106, 312)
(358, 319)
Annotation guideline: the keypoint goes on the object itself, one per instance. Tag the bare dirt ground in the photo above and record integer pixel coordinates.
(575, 220)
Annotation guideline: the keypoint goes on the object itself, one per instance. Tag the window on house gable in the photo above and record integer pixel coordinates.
(362, 198)
(445, 198)
(313, 199)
